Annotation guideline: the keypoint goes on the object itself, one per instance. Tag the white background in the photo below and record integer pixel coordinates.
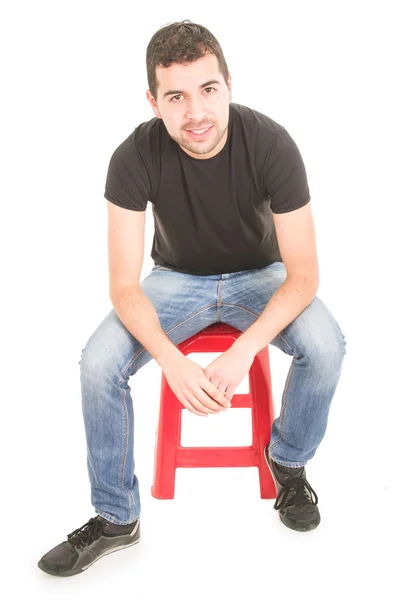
(74, 83)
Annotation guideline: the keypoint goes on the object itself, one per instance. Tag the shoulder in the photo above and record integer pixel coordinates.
(255, 121)
(139, 141)
(149, 130)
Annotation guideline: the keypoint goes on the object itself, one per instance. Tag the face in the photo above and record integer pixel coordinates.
(194, 97)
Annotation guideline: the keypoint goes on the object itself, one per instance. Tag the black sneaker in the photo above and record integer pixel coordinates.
(87, 544)
(295, 504)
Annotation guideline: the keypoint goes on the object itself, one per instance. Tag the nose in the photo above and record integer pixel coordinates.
(195, 111)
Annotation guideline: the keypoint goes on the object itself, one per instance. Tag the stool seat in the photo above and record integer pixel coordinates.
(169, 454)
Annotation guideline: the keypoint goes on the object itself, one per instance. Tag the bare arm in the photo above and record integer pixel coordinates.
(139, 316)
(134, 309)
(126, 237)
(296, 238)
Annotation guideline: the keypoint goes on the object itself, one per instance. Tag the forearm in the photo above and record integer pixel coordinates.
(139, 316)
(291, 298)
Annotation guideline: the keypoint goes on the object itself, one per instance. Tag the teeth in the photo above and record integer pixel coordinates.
(199, 130)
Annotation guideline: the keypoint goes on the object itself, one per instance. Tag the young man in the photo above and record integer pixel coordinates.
(234, 242)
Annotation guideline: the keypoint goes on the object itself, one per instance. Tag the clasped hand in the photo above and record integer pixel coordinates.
(210, 390)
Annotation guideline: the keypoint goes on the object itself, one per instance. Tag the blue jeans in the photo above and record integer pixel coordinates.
(186, 304)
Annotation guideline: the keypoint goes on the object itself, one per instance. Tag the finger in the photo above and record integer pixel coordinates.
(228, 394)
(215, 394)
(189, 406)
(208, 401)
(219, 386)
(203, 402)
(222, 390)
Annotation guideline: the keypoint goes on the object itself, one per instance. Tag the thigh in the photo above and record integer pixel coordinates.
(245, 294)
(314, 331)
(185, 304)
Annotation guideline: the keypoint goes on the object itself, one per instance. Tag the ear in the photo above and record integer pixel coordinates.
(229, 85)
(153, 104)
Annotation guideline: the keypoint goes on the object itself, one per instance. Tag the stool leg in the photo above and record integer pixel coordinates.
(262, 418)
(168, 440)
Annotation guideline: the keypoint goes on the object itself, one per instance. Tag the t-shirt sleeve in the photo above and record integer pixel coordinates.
(284, 175)
(127, 182)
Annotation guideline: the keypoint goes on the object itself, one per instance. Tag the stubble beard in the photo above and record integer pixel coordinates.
(204, 147)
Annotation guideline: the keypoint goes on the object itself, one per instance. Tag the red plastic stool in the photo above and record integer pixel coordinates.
(169, 454)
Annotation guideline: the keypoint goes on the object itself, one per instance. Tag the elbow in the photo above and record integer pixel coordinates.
(307, 283)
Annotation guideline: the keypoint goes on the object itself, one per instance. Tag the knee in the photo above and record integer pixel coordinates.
(319, 335)
(95, 362)
(327, 348)
(106, 355)
(332, 350)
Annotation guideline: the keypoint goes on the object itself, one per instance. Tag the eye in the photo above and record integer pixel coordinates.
(179, 95)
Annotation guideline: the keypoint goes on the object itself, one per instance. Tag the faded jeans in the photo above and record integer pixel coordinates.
(186, 304)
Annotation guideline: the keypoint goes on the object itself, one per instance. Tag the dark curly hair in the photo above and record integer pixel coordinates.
(181, 42)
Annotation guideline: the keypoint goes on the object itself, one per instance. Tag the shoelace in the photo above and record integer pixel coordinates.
(299, 497)
(86, 534)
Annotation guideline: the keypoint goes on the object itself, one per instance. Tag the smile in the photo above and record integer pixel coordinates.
(199, 133)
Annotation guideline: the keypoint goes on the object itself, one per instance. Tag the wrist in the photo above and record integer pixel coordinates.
(170, 354)
(245, 346)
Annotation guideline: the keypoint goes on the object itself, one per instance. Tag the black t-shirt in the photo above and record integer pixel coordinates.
(211, 215)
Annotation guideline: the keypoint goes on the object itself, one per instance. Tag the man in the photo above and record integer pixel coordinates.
(234, 242)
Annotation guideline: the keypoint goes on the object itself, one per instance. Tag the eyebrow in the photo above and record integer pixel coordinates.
(203, 85)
